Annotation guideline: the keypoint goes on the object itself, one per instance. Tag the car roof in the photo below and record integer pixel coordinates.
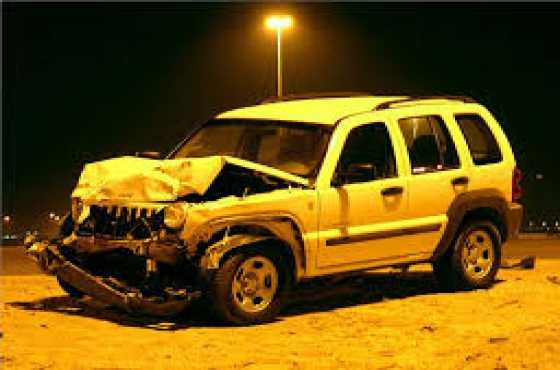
(322, 110)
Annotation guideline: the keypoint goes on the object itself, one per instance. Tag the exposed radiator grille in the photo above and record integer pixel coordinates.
(121, 222)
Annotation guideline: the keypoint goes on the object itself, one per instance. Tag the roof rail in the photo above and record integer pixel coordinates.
(342, 94)
(388, 104)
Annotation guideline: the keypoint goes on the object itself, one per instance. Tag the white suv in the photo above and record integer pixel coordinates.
(263, 197)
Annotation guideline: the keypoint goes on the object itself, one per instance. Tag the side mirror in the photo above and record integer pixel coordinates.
(355, 173)
(149, 154)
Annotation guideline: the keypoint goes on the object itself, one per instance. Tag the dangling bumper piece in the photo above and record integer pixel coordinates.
(108, 290)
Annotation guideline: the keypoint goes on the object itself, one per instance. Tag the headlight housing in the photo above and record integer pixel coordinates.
(174, 216)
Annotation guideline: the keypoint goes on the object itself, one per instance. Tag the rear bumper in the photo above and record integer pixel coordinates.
(514, 218)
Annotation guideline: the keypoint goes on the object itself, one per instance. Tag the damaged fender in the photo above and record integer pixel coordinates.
(215, 252)
(275, 229)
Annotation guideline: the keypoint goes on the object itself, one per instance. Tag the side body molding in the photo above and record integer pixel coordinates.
(469, 201)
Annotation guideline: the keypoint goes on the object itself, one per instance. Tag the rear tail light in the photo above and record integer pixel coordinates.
(516, 191)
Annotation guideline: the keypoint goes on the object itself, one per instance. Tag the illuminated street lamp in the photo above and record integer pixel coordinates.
(279, 23)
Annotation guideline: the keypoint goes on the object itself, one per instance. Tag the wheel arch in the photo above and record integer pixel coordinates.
(280, 233)
(487, 214)
(485, 204)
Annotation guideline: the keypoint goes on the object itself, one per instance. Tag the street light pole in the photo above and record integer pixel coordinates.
(279, 62)
(279, 23)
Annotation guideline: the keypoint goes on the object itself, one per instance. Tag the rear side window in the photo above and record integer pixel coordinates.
(429, 144)
(482, 144)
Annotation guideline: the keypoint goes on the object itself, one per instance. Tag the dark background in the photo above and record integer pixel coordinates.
(84, 82)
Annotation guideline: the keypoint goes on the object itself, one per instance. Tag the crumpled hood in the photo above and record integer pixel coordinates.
(142, 179)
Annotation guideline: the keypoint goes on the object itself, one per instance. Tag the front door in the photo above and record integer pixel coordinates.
(362, 215)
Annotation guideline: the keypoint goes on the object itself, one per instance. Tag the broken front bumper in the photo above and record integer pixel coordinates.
(51, 261)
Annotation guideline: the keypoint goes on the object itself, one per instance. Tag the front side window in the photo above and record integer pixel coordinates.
(480, 140)
(367, 155)
(292, 147)
(430, 147)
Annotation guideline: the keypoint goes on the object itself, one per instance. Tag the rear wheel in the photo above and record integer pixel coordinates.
(473, 260)
(247, 287)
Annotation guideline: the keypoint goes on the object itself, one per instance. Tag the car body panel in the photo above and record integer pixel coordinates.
(321, 111)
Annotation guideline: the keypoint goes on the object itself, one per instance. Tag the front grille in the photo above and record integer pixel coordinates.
(121, 222)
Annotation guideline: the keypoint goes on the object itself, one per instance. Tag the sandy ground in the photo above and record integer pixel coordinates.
(381, 320)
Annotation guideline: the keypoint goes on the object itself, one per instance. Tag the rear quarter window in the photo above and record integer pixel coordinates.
(481, 142)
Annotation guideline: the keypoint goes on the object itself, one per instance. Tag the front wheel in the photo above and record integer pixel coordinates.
(473, 260)
(247, 288)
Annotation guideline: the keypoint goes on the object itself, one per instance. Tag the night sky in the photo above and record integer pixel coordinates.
(86, 82)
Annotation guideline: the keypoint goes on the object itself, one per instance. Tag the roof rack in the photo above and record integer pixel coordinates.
(343, 94)
(388, 104)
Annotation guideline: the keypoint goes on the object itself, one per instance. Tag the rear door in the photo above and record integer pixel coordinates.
(435, 177)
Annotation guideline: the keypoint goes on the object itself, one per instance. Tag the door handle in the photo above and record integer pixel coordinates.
(463, 180)
(393, 190)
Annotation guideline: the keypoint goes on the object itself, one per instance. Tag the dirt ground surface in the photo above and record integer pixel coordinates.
(381, 320)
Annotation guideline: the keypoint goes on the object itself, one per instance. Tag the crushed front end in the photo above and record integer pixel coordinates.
(127, 240)
(123, 256)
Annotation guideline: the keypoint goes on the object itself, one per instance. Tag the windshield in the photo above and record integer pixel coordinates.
(291, 147)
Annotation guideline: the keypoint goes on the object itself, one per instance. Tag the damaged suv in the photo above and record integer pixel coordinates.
(261, 198)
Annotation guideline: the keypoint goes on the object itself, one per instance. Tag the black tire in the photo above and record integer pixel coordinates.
(227, 304)
(72, 292)
(473, 259)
